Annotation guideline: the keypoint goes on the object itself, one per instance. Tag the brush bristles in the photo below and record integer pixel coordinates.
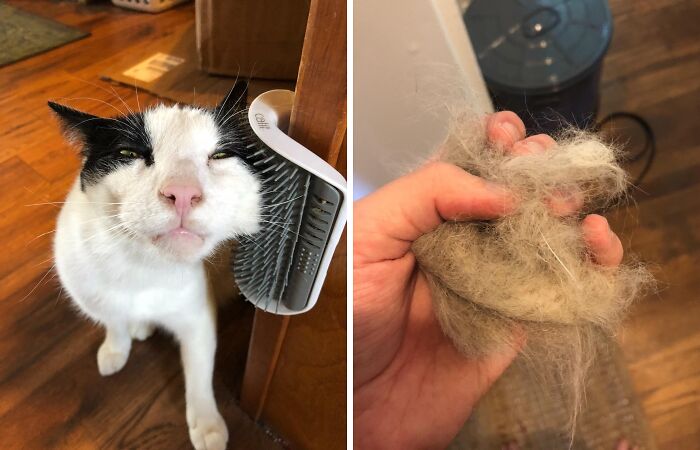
(530, 272)
(263, 262)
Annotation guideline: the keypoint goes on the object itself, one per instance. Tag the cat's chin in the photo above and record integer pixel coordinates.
(180, 242)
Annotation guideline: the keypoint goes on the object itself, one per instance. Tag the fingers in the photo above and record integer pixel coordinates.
(604, 245)
(504, 129)
(562, 203)
(389, 220)
(538, 143)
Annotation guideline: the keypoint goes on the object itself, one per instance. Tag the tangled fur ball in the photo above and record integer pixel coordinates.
(530, 272)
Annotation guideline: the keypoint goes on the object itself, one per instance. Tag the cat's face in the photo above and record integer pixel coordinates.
(171, 178)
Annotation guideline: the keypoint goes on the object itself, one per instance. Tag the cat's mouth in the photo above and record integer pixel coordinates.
(180, 236)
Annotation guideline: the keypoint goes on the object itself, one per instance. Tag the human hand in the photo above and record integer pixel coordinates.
(412, 389)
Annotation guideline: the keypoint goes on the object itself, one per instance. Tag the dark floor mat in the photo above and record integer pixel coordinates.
(23, 34)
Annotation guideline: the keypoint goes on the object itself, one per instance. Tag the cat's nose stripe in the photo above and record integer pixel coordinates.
(184, 197)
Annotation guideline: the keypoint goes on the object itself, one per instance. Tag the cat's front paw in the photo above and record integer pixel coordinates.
(207, 431)
(110, 360)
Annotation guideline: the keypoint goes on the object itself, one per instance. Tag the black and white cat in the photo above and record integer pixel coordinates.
(157, 192)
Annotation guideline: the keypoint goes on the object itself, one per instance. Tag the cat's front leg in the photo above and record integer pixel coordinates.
(198, 345)
(141, 330)
(114, 351)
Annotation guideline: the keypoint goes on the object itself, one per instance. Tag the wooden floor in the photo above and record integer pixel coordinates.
(653, 69)
(51, 395)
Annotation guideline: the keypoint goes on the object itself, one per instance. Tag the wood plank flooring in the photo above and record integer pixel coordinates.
(51, 394)
(653, 69)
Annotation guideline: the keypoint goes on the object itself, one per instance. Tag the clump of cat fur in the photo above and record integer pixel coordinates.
(530, 274)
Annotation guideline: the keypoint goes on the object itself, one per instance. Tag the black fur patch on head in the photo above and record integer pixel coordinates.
(232, 121)
(103, 139)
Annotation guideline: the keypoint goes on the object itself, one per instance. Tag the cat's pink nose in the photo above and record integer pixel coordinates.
(183, 196)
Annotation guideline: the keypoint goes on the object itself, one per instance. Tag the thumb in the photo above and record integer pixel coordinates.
(388, 221)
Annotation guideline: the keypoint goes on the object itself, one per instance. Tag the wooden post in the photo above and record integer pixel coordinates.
(295, 377)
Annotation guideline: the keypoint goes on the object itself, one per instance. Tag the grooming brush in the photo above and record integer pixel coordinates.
(281, 268)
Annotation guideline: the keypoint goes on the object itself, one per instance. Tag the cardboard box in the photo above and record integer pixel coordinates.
(176, 75)
(251, 38)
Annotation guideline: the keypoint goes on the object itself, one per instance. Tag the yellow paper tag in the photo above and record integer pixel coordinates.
(153, 67)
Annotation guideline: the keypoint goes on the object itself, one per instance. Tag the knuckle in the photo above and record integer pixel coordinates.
(439, 169)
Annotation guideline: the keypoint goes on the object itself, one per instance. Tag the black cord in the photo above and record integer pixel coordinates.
(649, 147)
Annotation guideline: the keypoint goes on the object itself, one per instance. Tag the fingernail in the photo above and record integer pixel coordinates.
(503, 192)
(511, 130)
(611, 233)
(534, 147)
(496, 188)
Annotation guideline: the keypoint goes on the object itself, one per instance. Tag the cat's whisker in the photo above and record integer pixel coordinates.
(113, 93)
(94, 219)
(46, 204)
(38, 284)
(281, 203)
(60, 292)
(138, 104)
(84, 121)
(100, 217)
(43, 262)
(264, 216)
(119, 97)
(98, 232)
(233, 115)
(85, 203)
(272, 190)
(97, 220)
(127, 132)
(284, 229)
(218, 110)
(41, 235)
(130, 118)
(92, 84)
(251, 240)
(119, 111)
(276, 223)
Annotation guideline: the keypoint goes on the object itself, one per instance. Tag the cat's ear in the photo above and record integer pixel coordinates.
(76, 124)
(235, 100)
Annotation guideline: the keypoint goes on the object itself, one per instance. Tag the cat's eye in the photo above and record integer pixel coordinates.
(220, 155)
(129, 153)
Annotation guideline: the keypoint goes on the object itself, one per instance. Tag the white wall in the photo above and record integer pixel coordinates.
(410, 58)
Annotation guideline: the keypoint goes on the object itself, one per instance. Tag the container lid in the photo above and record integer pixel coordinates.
(538, 46)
